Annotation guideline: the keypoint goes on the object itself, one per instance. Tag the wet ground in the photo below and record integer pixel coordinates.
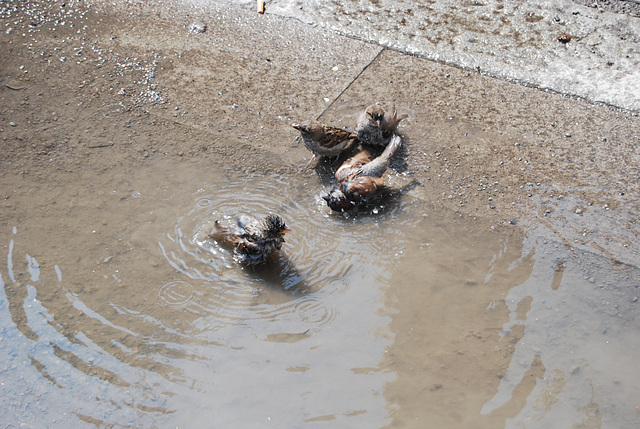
(495, 284)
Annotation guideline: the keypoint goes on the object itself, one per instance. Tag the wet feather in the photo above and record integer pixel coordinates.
(360, 176)
(253, 239)
(376, 125)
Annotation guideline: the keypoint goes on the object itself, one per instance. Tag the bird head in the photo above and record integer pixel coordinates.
(375, 113)
(274, 226)
(310, 127)
(337, 201)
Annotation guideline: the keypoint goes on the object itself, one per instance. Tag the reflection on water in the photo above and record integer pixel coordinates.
(582, 331)
(499, 329)
(402, 316)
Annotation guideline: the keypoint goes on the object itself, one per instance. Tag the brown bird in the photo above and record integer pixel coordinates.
(253, 239)
(360, 176)
(324, 140)
(376, 126)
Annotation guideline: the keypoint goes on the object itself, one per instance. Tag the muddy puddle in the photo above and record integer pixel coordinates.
(403, 315)
(495, 284)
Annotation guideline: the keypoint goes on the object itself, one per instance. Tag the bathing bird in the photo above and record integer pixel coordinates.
(324, 140)
(376, 125)
(253, 239)
(360, 176)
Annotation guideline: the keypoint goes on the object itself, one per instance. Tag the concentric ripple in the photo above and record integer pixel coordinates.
(176, 293)
(299, 284)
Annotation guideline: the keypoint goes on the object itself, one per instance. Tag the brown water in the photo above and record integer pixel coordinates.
(402, 315)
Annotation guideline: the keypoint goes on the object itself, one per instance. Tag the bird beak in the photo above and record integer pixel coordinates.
(285, 230)
(296, 126)
(326, 198)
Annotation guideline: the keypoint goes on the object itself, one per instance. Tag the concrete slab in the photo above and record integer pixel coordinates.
(512, 40)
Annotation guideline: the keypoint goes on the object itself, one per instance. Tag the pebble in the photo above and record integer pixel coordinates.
(579, 211)
(13, 124)
(198, 27)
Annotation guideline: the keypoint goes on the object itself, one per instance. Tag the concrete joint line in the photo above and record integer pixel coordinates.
(351, 83)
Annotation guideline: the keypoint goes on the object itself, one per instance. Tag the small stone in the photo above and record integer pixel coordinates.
(579, 211)
(198, 27)
(13, 124)
(635, 299)
(592, 279)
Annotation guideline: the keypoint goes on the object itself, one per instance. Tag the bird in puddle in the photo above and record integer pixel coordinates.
(253, 239)
(324, 140)
(360, 176)
(376, 125)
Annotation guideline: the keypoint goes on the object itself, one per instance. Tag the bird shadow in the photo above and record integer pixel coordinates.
(326, 167)
(279, 274)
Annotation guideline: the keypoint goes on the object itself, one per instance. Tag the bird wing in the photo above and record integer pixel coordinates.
(334, 136)
(242, 244)
(219, 231)
(355, 162)
(378, 166)
(362, 185)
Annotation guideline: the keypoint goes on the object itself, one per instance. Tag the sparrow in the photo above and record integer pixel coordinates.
(253, 239)
(324, 139)
(376, 126)
(360, 176)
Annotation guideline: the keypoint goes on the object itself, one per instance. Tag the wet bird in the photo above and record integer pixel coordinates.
(324, 140)
(253, 239)
(376, 126)
(360, 176)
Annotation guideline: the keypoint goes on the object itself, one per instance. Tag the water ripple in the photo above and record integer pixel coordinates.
(176, 293)
(296, 285)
